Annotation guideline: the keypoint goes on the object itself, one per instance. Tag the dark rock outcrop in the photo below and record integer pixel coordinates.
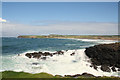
(72, 54)
(81, 75)
(105, 55)
(41, 55)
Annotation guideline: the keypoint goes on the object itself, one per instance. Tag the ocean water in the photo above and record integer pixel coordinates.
(56, 65)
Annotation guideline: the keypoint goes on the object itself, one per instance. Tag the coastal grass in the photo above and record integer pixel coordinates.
(11, 75)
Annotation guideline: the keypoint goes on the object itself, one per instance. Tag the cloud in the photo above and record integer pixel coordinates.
(2, 20)
(74, 28)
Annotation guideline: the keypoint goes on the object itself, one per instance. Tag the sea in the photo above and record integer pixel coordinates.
(14, 49)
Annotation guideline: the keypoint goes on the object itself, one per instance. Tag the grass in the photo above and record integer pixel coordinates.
(11, 75)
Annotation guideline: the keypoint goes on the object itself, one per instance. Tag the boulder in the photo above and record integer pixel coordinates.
(118, 69)
(35, 63)
(43, 58)
(58, 53)
(113, 69)
(87, 75)
(105, 68)
(94, 66)
(28, 55)
(72, 54)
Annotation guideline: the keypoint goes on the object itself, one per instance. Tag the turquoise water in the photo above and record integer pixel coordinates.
(20, 45)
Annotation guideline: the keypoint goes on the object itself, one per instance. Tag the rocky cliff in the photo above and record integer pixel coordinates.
(105, 55)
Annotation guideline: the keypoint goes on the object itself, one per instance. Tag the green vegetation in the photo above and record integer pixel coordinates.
(104, 37)
(10, 75)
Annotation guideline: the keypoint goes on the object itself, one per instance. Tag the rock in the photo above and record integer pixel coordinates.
(18, 54)
(72, 54)
(58, 53)
(47, 54)
(35, 63)
(81, 75)
(39, 55)
(74, 61)
(68, 75)
(91, 66)
(113, 69)
(105, 68)
(118, 69)
(104, 54)
(58, 76)
(94, 66)
(28, 55)
(36, 55)
(43, 58)
(76, 75)
(66, 50)
(87, 75)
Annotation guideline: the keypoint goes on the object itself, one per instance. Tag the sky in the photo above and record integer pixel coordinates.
(66, 18)
(60, 0)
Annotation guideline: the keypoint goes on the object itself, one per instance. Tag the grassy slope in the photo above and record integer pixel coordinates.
(106, 37)
(11, 74)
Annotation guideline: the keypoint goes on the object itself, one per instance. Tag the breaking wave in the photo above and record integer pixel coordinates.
(56, 65)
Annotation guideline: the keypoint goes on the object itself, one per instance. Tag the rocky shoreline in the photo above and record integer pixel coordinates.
(107, 56)
(43, 55)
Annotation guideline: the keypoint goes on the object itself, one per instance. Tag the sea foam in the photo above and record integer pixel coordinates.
(56, 65)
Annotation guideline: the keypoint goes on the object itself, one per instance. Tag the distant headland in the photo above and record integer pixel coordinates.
(102, 37)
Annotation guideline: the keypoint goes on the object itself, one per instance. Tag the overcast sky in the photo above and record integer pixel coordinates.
(42, 18)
